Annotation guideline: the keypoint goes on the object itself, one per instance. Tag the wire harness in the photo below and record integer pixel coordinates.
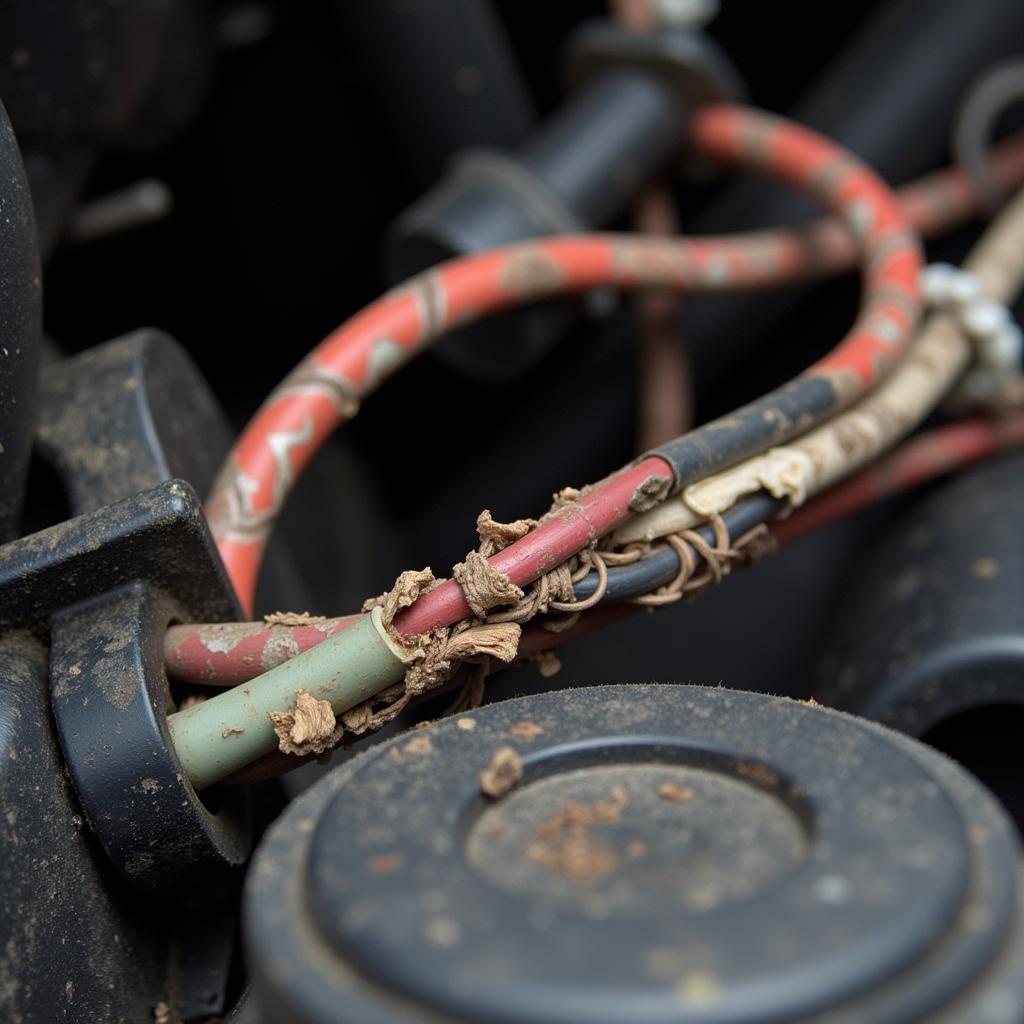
(410, 650)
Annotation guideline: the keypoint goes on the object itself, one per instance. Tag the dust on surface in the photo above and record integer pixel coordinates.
(526, 730)
(564, 843)
(985, 568)
(385, 863)
(675, 793)
(501, 776)
(420, 744)
(293, 619)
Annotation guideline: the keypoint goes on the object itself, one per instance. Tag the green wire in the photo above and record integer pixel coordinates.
(221, 735)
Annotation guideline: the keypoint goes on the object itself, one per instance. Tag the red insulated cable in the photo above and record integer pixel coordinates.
(326, 387)
(228, 653)
(569, 530)
(235, 652)
(232, 653)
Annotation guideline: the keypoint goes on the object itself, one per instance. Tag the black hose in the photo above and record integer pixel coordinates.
(445, 76)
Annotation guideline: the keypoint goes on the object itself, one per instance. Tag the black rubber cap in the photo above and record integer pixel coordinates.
(671, 853)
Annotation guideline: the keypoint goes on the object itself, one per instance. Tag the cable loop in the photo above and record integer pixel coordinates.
(989, 96)
(718, 558)
(601, 567)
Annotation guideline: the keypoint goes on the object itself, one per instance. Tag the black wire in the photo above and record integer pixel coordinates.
(770, 420)
(662, 565)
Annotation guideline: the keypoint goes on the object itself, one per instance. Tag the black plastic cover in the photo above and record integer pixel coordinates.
(672, 853)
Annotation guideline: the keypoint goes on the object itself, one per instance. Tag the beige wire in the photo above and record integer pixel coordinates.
(937, 358)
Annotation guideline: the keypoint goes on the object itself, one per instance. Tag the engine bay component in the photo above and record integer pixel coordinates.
(567, 178)
(668, 853)
(930, 627)
(110, 698)
(232, 554)
(20, 323)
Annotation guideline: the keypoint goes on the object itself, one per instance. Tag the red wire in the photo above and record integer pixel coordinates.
(568, 530)
(228, 653)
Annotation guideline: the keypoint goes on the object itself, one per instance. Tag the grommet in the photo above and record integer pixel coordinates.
(111, 699)
(670, 853)
(102, 589)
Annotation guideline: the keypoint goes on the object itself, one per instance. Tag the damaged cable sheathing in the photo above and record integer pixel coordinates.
(308, 728)
(433, 657)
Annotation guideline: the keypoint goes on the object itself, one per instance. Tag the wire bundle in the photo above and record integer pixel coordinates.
(327, 386)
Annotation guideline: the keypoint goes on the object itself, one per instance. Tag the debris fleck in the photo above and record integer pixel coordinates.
(675, 793)
(526, 730)
(420, 744)
(985, 568)
(760, 774)
(649, 493)
(385, 863)
(699, 989)
(547, 662)
(505, 770)
(308, 728)
(443, 931)
(232, 729)
(293, 619)
(636, 849)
